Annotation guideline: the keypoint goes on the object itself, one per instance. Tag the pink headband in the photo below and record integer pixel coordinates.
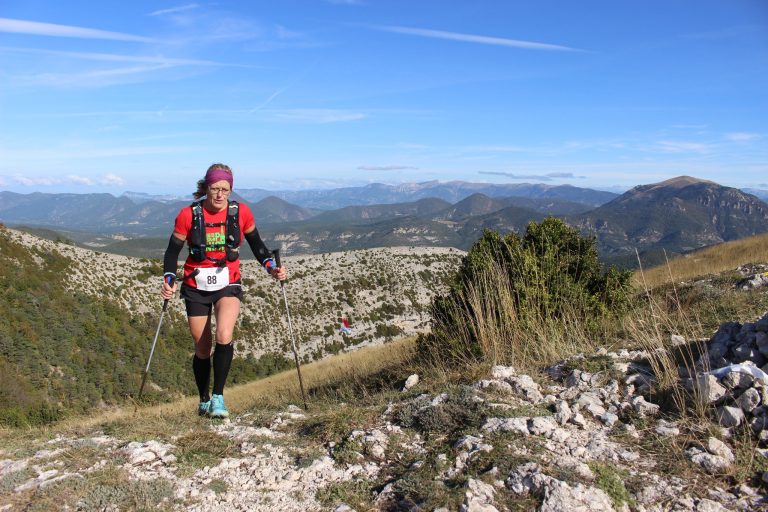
(218, 174)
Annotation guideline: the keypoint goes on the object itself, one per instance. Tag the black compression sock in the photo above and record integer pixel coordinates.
(202, 370)
(222, 360)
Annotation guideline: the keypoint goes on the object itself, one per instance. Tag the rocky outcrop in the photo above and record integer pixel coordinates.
(732, 375)
(575, 440)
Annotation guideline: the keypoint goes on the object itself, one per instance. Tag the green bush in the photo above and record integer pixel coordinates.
(516, 296)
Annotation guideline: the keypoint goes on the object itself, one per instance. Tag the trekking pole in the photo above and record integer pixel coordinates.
(276, 255)
(170, 280)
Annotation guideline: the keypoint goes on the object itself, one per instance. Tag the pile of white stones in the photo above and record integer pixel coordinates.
(755, 276)
(732, 375)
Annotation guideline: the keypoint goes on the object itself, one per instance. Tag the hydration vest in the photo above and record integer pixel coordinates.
(196, 236)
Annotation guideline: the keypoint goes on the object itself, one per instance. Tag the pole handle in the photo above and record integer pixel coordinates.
(170, 279)
(276, 255)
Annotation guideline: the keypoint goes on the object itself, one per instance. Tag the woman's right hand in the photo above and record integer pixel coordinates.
(167, 291)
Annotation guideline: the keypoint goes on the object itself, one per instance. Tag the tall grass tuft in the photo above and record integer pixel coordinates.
(526, 300)
(652, 327)
(709, 260)
(482, 324)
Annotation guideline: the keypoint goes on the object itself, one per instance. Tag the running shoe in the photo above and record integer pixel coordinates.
(218, 409)
(203, 408)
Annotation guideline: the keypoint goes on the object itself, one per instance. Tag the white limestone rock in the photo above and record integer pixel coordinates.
(643, 407)
(519, 425)
(713, 458)
(502, 372)
(411, 381)
(666, 428)
(748, 400)
(707, 387)
(557, 495)
(541, 425)
(478, 497)
(563, 412)
(729, 416)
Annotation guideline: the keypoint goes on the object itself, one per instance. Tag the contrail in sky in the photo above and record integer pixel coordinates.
(471, 38)
(50, 29)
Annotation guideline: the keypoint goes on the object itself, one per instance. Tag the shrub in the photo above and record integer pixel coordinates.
(529, 298)
(457, 412)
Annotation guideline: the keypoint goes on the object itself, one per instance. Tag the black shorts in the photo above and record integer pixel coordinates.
(200, 303)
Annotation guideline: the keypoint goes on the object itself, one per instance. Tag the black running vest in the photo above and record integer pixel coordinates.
(196, 236)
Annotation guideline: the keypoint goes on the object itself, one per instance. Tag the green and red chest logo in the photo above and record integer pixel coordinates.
(216, 238)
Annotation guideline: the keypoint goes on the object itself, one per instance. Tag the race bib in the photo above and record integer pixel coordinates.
(212, 279)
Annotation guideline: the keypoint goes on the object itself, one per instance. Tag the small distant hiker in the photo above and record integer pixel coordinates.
(345, 328)
(214, 228)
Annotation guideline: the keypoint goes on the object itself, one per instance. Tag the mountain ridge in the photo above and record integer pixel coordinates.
(679, 215)
(675, 215)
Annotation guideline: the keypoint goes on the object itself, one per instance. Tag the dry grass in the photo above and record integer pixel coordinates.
(652, 328)
(710, 260)
(276, 391)
(499, 325)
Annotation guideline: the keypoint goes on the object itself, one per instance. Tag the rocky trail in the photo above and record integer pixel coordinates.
(570, 440)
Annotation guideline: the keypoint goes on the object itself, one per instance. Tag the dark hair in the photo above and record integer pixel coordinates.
(202, 189)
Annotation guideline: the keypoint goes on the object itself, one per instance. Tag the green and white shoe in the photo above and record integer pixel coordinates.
(203, 408)
(218, 409)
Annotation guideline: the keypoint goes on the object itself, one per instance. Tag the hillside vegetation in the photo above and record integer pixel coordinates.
(512, 291)
(710, 260)
(63, 350)
(79, 324)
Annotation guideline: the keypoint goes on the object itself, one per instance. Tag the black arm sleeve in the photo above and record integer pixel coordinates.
(257, 246)
(171, 258)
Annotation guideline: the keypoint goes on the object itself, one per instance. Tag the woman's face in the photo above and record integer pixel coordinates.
(217, 194)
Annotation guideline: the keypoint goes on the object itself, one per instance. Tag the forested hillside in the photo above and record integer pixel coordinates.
(77, 325)
(64, 350)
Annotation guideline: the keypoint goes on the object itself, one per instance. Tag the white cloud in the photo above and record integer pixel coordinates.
(212, 29)
(494, 149)
(472, 38)
(27, 181)
(671, 146)
(269, 99)
(97, 78)
(174, 10)
(80, 180)
(741, 136)
(690, 126)
(50, 29)
(540, 177)
(319, 116)
(284, 33)
(386, 168)
(112, 57)
(111, 179)
(408, 145)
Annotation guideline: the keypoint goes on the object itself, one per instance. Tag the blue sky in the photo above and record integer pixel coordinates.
(144, 95)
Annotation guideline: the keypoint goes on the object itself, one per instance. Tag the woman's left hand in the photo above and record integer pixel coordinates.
(280, 273)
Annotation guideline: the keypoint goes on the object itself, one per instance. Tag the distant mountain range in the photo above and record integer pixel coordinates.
(757, 192)
(676, 215)
(137, 214)
(452, 191)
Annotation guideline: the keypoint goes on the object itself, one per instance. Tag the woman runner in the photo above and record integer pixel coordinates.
(211, 280)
